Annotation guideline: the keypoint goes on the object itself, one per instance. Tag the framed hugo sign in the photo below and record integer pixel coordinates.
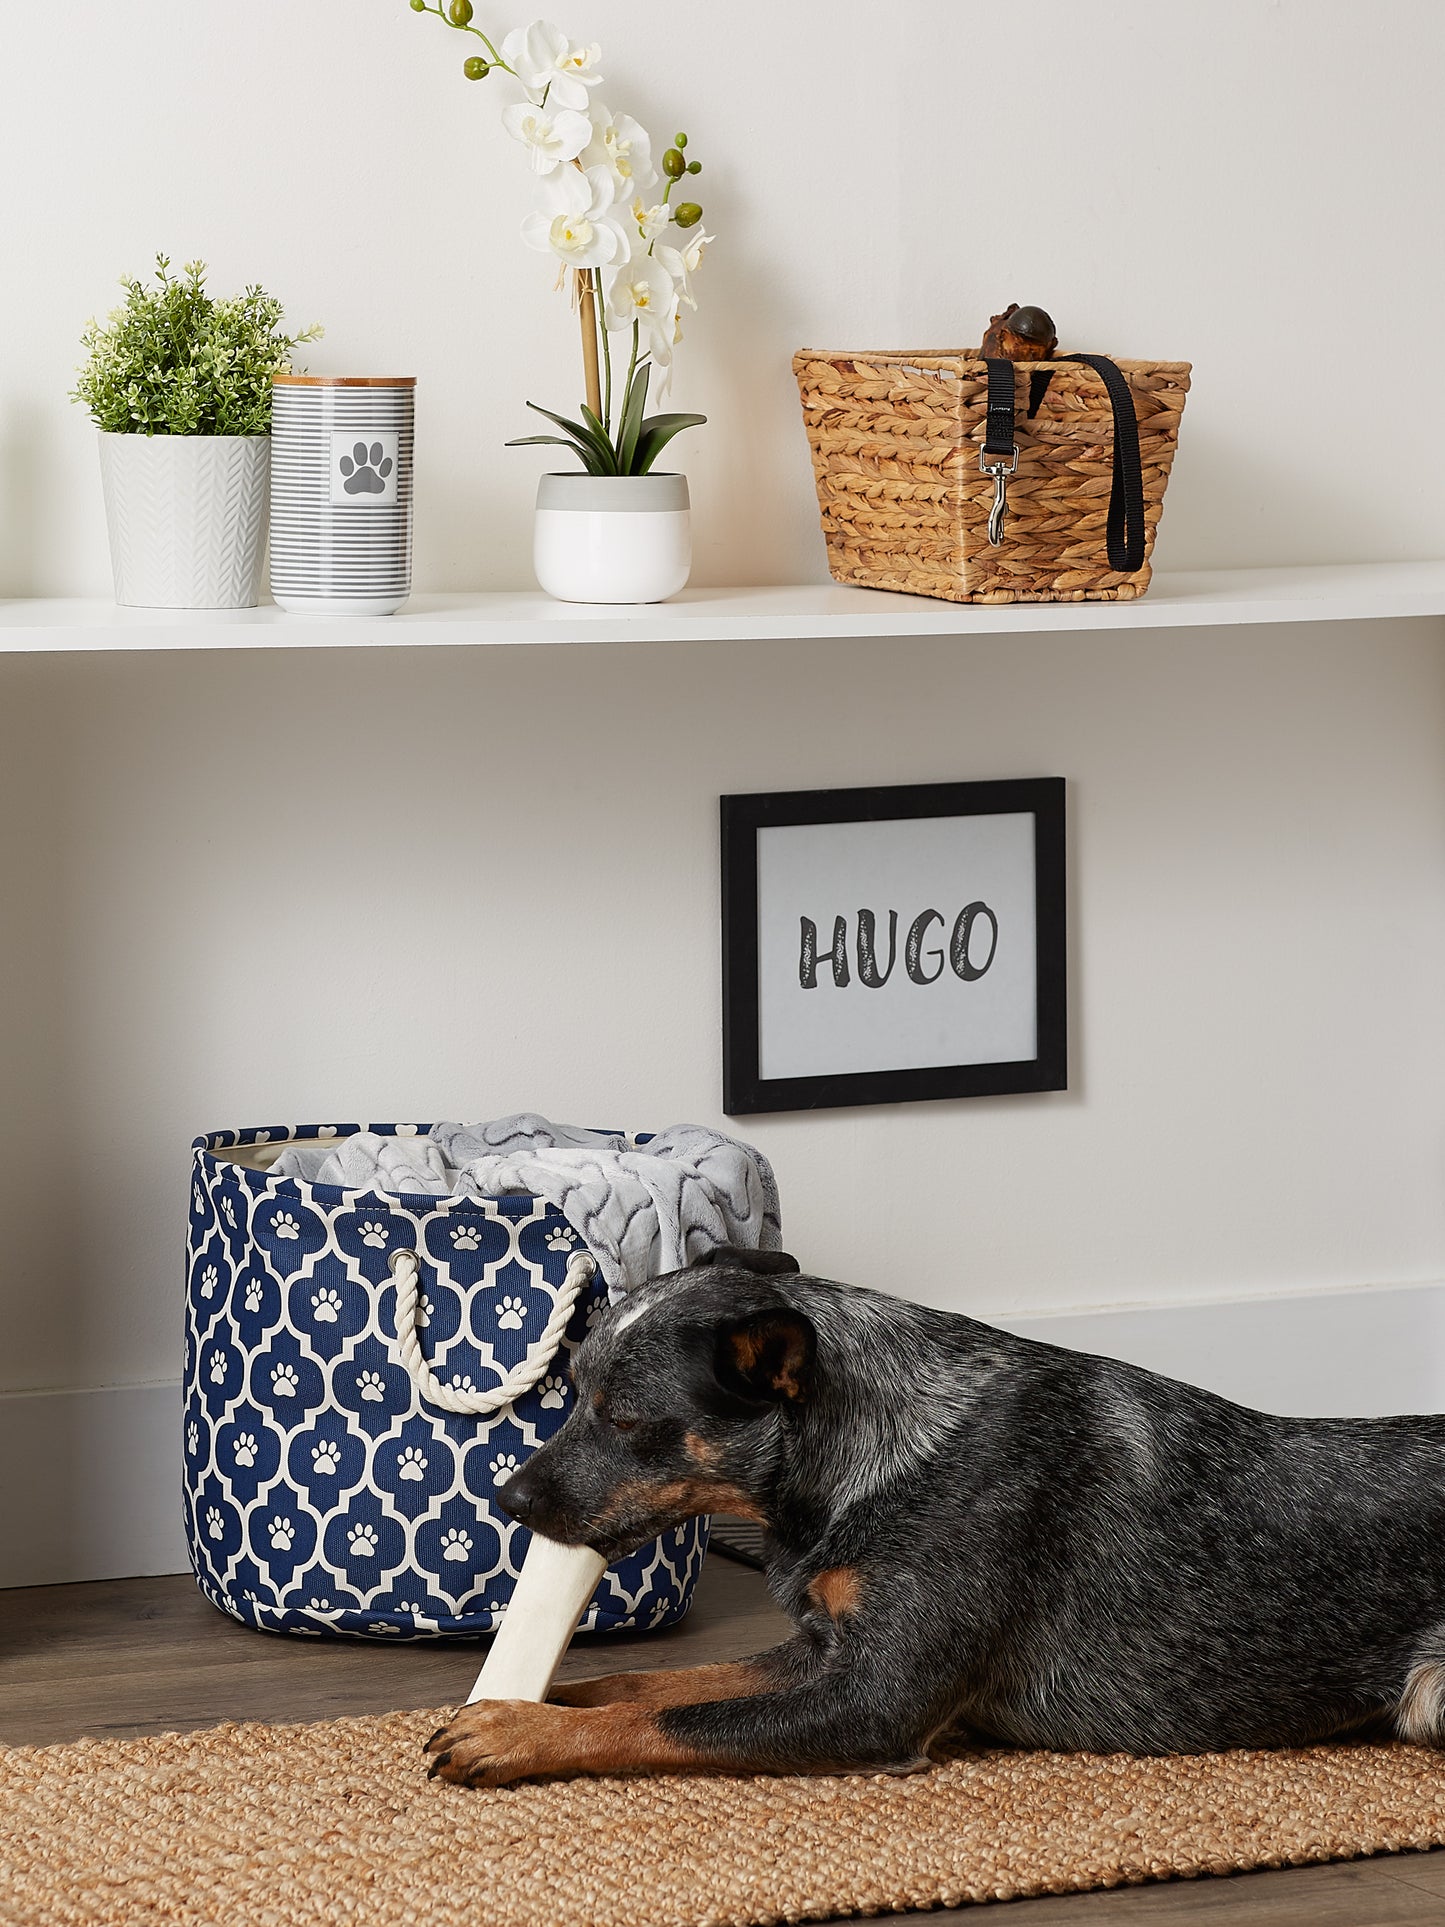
(881, 945)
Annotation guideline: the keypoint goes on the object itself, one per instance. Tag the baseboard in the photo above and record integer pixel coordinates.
(91, 1484)
(1335, 1354)
(91, 1480)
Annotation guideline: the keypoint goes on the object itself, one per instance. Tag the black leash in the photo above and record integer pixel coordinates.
(1124, 530)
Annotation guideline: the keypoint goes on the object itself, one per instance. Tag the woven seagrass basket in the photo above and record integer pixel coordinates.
(896, 441)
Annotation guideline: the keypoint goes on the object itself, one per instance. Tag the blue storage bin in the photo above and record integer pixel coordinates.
(323, 1492)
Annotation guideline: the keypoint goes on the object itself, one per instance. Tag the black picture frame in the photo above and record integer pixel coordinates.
(745, 1091)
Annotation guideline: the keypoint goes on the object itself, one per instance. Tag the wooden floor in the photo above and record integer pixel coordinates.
(151, 1656)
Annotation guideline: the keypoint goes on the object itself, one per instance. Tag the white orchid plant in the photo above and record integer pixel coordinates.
(626, 251)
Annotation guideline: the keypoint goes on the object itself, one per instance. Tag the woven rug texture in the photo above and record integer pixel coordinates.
(283, 1826)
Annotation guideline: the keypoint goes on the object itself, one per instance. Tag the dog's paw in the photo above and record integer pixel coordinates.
(496, 1742)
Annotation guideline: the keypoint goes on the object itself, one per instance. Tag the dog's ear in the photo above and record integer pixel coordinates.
(769, 1264)
(768, 1355)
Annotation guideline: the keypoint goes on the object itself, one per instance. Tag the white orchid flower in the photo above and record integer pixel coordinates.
(651, 221)
(578, 223)
(620, 143)
(683, 263)
(644, 291)
(551, 139)
(550, 67)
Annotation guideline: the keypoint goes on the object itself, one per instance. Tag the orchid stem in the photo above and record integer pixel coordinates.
(632, 365)
(606, 352)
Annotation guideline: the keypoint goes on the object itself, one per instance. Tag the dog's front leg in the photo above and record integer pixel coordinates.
(688, 1685)
(835, 1722)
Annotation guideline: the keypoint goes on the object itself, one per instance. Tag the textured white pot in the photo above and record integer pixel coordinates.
(613, 538)
(187, 518)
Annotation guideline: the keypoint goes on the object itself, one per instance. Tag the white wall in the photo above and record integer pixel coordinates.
(452, 883)
(245, 890)
(1253, 185)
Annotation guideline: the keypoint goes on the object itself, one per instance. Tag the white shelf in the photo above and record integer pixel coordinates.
(1350, 592)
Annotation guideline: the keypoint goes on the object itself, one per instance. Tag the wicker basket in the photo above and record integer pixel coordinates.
(896, 441)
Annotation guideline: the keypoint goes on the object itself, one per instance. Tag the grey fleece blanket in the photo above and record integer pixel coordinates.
(641, 1209)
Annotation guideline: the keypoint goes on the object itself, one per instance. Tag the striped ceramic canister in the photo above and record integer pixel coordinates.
(341, 493)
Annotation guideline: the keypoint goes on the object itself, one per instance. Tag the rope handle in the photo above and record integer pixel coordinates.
(406, 1269)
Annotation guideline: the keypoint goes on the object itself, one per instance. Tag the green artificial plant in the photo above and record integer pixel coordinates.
(173, 360)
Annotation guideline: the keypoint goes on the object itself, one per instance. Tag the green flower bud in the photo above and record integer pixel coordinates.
(688, 215)
(673, 164)
(476, 68)
(460, 13)
(680, 141)
(694, 167)
(418, 6)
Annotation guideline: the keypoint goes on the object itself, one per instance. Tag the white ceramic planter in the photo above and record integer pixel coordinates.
(613, 538)
(187, 518)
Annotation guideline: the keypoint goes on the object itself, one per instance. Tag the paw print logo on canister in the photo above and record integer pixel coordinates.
(363, 467)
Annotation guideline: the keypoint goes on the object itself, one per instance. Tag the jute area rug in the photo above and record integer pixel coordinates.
(276, 1826)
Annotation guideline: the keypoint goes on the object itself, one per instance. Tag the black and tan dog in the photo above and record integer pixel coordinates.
(978, 1536)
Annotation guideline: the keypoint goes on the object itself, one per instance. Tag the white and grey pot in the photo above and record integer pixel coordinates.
(187, 518)
(613, 538)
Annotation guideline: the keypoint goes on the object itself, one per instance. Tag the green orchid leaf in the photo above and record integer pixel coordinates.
(657, 432)
(582, 450)
(584, 437)
(599, 429)
(632, 413)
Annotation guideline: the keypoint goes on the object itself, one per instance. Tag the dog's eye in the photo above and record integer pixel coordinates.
(621, 1424)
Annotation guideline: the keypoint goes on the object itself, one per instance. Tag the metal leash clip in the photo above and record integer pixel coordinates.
(1000, 472)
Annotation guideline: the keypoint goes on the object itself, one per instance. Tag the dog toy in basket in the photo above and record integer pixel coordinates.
(1007, 473)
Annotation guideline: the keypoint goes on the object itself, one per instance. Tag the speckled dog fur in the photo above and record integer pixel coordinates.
(974, 1533)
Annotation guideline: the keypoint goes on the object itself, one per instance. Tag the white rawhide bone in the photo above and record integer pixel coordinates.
(556, 1582)
(551, 1595)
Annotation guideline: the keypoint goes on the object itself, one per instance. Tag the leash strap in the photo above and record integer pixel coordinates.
(1124, 530)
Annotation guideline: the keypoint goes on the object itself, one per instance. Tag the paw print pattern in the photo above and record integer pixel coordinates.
(246, 1449)
(412, 1606)
(554, 1393)
(326, 1305)
(319, 1605)
(412, 1464)
(228, 1211)
(325, 1459)
(365, 469)
(193, 1437)
(561, 1238)
(456, 1545)
(284, 1381)
(285, 1226)
(503, 1466)
(424, 1310)
(218, 1367)
(198, 1198)
(466, 1383)
(371, 1387)
(373, 1233)
(362, 1540)
(510, 1313)
(210, 1278)
(378, 1627)
(253, 1297)
(465, 1237)
(282, 1533)
(215, 1524)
